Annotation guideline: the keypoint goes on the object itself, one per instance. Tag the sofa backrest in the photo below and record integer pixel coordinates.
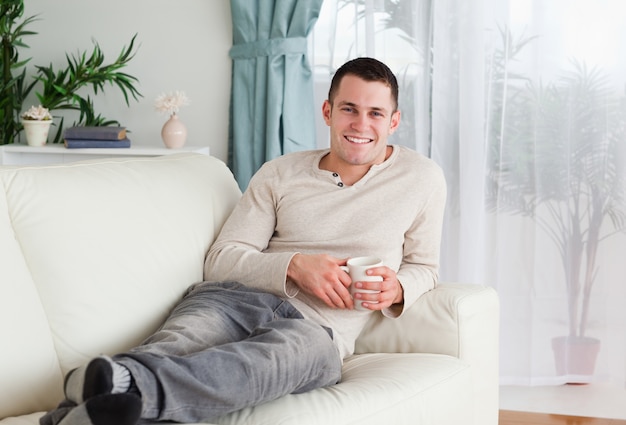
(93, 256)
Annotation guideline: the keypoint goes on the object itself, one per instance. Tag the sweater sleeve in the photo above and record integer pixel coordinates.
(419, 270)
(237, 253)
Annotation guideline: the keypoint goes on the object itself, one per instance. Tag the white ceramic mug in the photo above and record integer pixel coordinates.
(357, 268)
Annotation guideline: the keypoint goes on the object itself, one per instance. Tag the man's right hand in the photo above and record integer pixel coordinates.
(321, 276)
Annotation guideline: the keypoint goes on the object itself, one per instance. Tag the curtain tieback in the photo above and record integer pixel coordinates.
(271, 47)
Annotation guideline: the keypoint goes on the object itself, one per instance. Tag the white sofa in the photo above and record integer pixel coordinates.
(94, 254)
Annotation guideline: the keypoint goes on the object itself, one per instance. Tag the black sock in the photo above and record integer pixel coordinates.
(107, 409)
(100, 376)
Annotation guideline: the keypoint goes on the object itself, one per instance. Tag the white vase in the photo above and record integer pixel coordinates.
(36, 131)
(174, 133)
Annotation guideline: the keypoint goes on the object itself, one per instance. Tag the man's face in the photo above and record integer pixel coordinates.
(361, 119)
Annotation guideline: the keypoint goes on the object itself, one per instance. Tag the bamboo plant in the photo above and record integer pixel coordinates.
(556, 156)
(12, 88)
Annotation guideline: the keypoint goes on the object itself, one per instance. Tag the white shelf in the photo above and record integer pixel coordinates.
(20, 154)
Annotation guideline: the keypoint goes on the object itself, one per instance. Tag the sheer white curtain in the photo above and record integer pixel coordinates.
(523, 103)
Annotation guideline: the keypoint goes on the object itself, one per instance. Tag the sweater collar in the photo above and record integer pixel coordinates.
(374, 169)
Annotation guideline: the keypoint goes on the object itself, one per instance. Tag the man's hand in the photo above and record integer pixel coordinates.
(321, 275)
(391, 291)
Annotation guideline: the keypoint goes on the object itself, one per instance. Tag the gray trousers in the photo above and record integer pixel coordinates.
(225, 347)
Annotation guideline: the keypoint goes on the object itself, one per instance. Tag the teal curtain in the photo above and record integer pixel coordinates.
(271, 109)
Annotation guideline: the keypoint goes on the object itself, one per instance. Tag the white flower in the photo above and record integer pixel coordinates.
(169, 103)
(37, 113)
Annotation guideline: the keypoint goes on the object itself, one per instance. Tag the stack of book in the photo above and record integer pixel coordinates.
(96, 137)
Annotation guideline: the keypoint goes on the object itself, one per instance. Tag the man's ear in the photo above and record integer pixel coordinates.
(395, 122)
(326, 110)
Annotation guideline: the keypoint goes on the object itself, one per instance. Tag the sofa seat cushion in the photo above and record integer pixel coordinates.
(30, 419)
(377, 389)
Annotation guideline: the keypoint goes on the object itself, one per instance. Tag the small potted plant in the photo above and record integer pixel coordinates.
(36, 122)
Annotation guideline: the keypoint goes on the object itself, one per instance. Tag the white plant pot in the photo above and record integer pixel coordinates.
(36, 131)
(575, 358)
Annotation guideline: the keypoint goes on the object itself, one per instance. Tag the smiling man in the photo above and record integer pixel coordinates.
(275, 315)
(306, 213)
(360, 117)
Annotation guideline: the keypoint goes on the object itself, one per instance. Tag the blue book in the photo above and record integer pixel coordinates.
(86, 143)
(95, 133)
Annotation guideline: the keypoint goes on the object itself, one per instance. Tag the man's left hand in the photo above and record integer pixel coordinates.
(391, 291)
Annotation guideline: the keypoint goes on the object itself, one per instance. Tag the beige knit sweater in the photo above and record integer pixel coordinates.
(292, 206)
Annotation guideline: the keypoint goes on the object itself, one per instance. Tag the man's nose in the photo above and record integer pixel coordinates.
(360, 122)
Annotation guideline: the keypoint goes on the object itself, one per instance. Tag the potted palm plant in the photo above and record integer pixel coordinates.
(56, 89)
(557, 158)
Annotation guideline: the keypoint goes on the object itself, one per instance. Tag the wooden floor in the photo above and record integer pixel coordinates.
(509, 417)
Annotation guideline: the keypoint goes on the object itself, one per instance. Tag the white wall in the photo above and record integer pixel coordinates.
(183, 45)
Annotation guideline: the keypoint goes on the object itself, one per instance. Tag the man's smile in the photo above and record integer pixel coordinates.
(357, 140)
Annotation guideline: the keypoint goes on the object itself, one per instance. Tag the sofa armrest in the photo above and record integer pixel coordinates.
(453, 319)
(459, 320)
